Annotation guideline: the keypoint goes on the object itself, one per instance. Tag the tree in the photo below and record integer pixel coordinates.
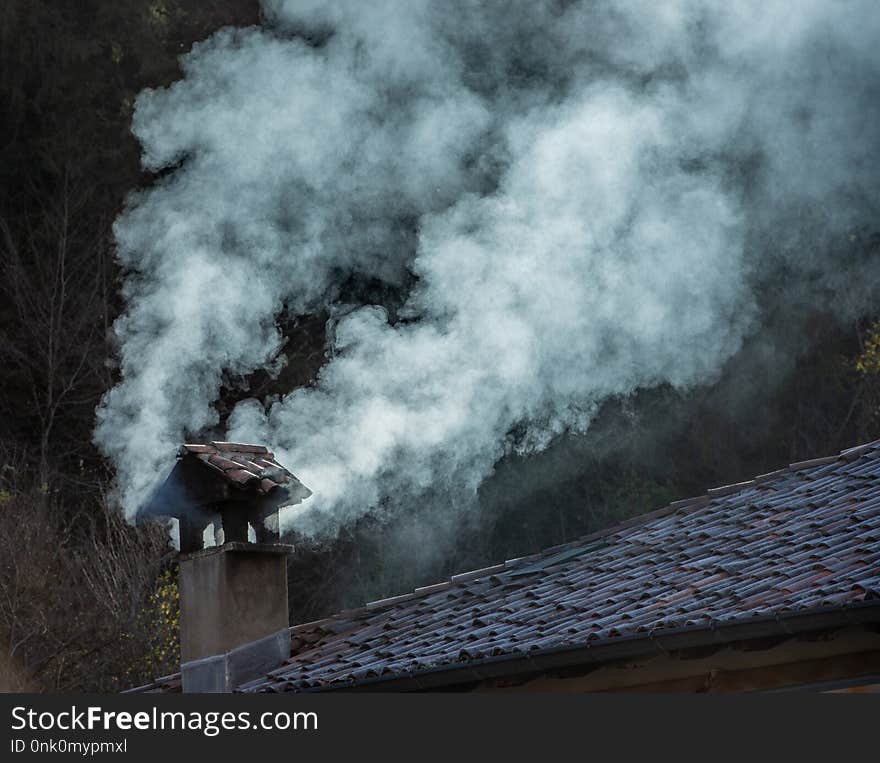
(53, 283)
(79, 598)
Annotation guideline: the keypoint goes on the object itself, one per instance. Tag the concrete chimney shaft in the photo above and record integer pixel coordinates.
(234, 623)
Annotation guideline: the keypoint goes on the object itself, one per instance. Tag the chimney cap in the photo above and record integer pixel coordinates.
(235, 482)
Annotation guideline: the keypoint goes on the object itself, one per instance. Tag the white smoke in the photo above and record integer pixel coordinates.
(587, 192)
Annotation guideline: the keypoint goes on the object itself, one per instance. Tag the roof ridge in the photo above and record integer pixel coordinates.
(722, 491)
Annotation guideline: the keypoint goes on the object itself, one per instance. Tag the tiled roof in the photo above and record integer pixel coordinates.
(247, 467)
(804, 540)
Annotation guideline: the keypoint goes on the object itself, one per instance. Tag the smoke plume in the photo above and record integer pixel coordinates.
(578, 199)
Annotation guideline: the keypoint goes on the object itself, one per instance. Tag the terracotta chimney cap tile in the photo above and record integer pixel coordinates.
(223, 463)
(267, 485)
(195, 448)
(241, 476)
(257, 465)
(240, 447)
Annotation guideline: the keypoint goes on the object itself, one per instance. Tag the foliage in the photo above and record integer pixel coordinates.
(868, 361)
(159, 623)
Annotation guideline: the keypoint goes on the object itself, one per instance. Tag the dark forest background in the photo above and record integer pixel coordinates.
(89, 603)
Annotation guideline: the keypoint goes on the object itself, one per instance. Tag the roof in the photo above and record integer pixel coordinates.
(244, 466)
(792, 549)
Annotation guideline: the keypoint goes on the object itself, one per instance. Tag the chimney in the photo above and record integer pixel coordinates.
(233, 592)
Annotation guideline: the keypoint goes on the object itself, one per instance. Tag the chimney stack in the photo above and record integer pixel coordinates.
(234, 622)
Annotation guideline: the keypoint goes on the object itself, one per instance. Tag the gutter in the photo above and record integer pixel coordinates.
(658, 641)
